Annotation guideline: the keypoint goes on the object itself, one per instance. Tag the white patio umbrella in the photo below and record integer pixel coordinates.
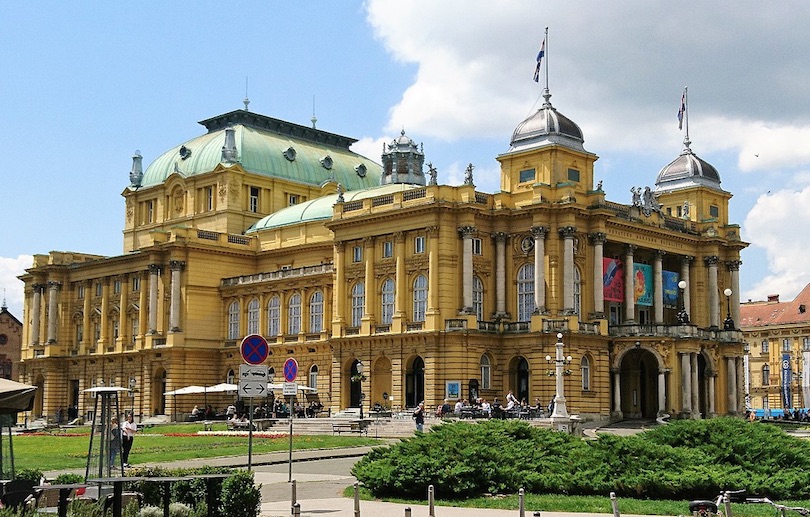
(223, 387)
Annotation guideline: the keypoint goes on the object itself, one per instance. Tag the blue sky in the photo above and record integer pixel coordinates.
(86, 84)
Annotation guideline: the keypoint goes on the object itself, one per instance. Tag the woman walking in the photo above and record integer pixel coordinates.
(129, 427)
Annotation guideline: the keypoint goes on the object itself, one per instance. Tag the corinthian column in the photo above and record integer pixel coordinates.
(500, 273)
(629, 294)
(53, 309)
(598, 239)
(714, 302)
(467, 233)
(36, 313)
(568, 233)
(154, 271)
(176, 267)
(658, 286)
(539, 233)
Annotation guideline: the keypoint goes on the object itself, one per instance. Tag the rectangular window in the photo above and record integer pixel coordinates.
(526, 175)
(79, 333)
(134, 328)
(357, 254)
(573, 175)
(96, 331)
(476, 246)
(419, 244)
(765, 346)
(806, 344)
(254, 200)
(786, 344)
(293, 200)
(388, 249)
(115, 330)
(117, 287)
(678, 211)
(209, 199)
(80, 291)
(136, 283)
(150, 212)
(98, 289)
(714, 211)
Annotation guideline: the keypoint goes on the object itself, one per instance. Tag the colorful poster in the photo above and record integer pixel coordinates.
(613, 280)
(643, 284)
(670, 285)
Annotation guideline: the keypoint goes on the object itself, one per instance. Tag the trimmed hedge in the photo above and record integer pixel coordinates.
(682, 460)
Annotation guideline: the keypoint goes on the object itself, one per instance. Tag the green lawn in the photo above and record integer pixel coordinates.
(68, 450)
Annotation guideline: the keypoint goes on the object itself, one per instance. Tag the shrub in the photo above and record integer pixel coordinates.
(67, 478)
(240, 495)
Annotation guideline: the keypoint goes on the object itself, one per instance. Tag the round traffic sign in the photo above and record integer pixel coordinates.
(254, 349)
(290, 369)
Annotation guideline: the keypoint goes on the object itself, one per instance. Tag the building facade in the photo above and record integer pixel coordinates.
(10, 344)
(777, 343)
(262, 226)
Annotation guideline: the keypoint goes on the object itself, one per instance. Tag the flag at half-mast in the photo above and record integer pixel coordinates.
(539, 60)
(682, 109)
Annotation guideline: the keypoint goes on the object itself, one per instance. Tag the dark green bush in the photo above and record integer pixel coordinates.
(686, 459)
(240, 495)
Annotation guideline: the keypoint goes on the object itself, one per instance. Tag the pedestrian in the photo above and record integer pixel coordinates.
(129, 428)
(419, 416)
(115, 441)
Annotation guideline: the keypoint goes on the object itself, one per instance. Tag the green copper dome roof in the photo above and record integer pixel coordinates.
(269, 147)
(321, 208)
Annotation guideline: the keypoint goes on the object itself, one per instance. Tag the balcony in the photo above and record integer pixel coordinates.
(675, 331)
(281, 274)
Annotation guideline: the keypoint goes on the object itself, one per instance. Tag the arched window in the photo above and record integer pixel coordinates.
(419, 298)
(577, 292)
(358, 303)
(230, 378)
(253, 316)
(478, 298)
(387, 302)
(313, 376)
(766, 375)
(525, 292)
(274, 316)
(316, 312)
(486, 373)
(294, 314)
(585, 368)
(233, 320)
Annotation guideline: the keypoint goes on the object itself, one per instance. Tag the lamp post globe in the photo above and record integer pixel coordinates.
(728, 324)
(683, 316)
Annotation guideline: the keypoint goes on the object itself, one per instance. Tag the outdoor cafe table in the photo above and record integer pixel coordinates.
(64, 492)
(118, 489)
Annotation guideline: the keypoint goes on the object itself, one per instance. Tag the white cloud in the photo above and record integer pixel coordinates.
(775, 224)
(10, 268)
(371, 148)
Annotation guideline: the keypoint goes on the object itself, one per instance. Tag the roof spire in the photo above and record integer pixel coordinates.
(314, 119)
(5, 305)
(246, 101)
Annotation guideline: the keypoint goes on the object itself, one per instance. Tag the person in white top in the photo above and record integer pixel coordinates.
(511, 401)
(128, 428)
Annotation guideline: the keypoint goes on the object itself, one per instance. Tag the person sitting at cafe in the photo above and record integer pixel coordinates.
(195, 413)
(446, 408)
(486, 408)
(458, 407)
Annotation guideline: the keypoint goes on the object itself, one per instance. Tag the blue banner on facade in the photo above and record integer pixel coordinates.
(670, 284)
(786, 379)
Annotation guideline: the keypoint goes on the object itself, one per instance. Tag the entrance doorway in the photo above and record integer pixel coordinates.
(415, 383)
(639, 386)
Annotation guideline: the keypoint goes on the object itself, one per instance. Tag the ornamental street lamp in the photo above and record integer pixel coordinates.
(560, 411)
(729, 323)
(683, 316)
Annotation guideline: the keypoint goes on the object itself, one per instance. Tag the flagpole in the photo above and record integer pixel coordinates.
(686, 114)
(546, 56)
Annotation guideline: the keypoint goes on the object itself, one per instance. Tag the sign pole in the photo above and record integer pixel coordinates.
(250, 435)
(289, 478)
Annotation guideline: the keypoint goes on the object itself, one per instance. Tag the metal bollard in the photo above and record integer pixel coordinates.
(296, 510)
(294, 493)
(431, 509)
(408, 512)
(356, 499)
(615, 504)
(521, 508)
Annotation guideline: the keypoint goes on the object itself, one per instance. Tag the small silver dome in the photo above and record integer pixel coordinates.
(685, 171)
(545, 127)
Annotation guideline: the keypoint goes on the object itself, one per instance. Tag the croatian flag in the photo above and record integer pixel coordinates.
(539, 59)
(682, 110)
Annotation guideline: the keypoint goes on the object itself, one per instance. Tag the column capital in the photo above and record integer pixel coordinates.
(54, 285)
(339, 245)
(155, 268)
(598, 237)
(500, 236)
(467, 232)
(733, 265)
(686, 259)
(630, 249)
(711, 260)
(659, 254)
(39, 287)
(567, 232)
(368, 241)
(432, 231)
(177, 265)
(539, 232)
(399, 236)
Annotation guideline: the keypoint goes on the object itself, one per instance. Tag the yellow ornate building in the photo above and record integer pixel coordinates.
(262, 226)
(777, 335)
